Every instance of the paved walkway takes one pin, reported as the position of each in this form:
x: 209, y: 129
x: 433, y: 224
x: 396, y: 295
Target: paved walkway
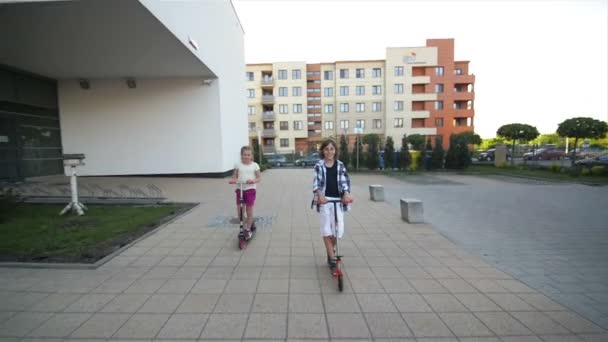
x: 189, y: 281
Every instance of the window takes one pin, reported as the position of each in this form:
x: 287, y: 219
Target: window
x: 282, y: 74
x: 439, y: 105
x: 329, y: 125
x: 252, y: 126
x: 398, y: 71
x: 399, y: 88
x: 377, y: 90
x: 251, y: 110
x: 298, y: 126
x: 438, y: 122
x: 329, y: 108
x: 360, y: 90
x: 418, y: 123
x: 249, y: 76
x: 377, y: 123
x: 439, y: 71
x: 328, y: 75
x: 360, y: 107
x: 314, y: 106
x: 296, y: 74
x: 360, y: 73
x: 398, y: 106
x: 297, y: 108
x: 344, y: 107
x: 457, y: 71
x: 283, y: 109
x: 344, y: 91
x: 328, y: 92
x: 296, y: 91
x: 313, y: 90
x: 284, y: 125
x: 314, y: 98
x: 282, y: 91
x: 250, y: 93
x: 360, y: 124
x: 313, y: 73
x: 376, y: 72
x: 284, y: 142
x: 439, y: 88
x: 398, y: 122
x: 343, y: 73
x: 376, y: 106
x: 343, y: 124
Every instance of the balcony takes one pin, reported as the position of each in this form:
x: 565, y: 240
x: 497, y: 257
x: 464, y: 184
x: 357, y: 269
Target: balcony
x: 467, y: 79
x: 420, y: 79
x: 464, y: 112
x: 253, y: 133
x: 420, y: 114
x: 268, y: 116
x: 463, y: 96
x: 424, y: 97
x: 269, y: 133
x: 267, y: 82
x: 269, y: 149
x: 267, y: 99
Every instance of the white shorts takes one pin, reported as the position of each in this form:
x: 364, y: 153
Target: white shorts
x: 328, y: 221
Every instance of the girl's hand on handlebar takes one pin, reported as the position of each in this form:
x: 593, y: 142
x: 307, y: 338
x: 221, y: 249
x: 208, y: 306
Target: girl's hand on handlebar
x: 250, y: 182
x: 232, y: 181
x: 347, y: 198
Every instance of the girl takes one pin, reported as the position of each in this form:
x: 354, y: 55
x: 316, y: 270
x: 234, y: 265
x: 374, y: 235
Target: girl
x: 247, y: 172
x: 331, y: 182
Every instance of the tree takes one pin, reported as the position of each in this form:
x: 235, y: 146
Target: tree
x: 517, y: 132
x: 406, y: 157
x: 417, y: 141
x: 371, y: 157
x: 389, y: 152
x: 469, y: 137
x: 344, y: 155
x: 549, y: 139
x: 358, y: 143
x: 458, y: 156
x: 438, y: 154
x: 582, y: 128
x: 256, y: 153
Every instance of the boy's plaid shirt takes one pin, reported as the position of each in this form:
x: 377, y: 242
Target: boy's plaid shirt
x: 320, y: 178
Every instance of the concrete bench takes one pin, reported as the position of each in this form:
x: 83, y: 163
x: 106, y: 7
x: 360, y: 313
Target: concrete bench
x: 411, y: 210
x: 376, y: 193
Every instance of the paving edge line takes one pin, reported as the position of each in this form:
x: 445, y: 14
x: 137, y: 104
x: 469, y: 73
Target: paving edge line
x: 555, y: 181
x: 80, y: 266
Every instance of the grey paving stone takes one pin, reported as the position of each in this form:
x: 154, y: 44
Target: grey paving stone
x: 180, y: 326
x: 225, y: 326
x: 126, y: 303
x: 457, y: 285
x: 560, y: 338
x: 477, y: 302
x: 464, y: 324
x: 510, y: 302
x: 274, y: 285
x: 366, y: 285
x: 502, y: 323
x: 396, y: 285
x: 90, y: 303
x: 426, y: 325
x: 428, y: 286
x: 574, y: 322
x: 444, y: 302
x: 161, y: 303
x: 234, y: 303
x: 22, y: 323
x: 541, y: 302
x: 304, y: 286
x: 305, y: 303
x: 539, y: 323
x: 410, y: 303
x: 55, y: 302
x: 530, y: 338
x: 347, y: 325
x: 177, y: 286
x: 270, y: 303
x: 101, y: 325
x: 205, y: 285
x: 60, y: 325
x: 241, y: 286
x: 198, y: 303
x: 142, y: 326
x: 376, y: 302
x: 387, y: 325
x: 306, y: 326
x: 336, y: 302
x: 267, y: 326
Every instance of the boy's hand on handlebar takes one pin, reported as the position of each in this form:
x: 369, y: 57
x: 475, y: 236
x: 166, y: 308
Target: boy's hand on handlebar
x: 322, y: 200
x: 347, y: 198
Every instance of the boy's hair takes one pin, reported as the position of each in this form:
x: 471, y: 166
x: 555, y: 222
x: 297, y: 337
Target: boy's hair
x: 324, y: 145
x: 245, y: 148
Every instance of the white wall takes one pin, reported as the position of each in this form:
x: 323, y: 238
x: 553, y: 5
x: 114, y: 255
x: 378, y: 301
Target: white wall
x: 160, y: 127
x: 215, y: 27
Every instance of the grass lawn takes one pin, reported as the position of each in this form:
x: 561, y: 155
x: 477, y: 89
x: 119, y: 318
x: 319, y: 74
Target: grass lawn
x: 37, y: 232
x: 544, y: 174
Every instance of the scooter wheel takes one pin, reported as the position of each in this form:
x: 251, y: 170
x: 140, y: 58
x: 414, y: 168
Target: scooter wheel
x: 340, y: 283
x: 242, y: 244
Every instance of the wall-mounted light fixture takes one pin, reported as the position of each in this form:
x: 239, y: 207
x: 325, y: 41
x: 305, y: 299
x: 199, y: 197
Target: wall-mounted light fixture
x: 84, y: 84
x: 131, y: 83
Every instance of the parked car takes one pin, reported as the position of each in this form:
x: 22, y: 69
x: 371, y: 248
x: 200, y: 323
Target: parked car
x: 276, y: 160
x: 311, y: 159
x: 489, y: 155
x: 590, y: 152
x: 545, y: 154
x: 591, y: 162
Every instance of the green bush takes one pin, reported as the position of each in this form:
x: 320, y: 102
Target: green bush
x: 416, y: 160
x: 598, y: 170
x: 9, y: 200
x: 555, y: 168
x: 575, y: 172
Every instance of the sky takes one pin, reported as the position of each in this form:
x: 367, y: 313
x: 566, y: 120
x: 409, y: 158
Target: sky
x: 537, y: 62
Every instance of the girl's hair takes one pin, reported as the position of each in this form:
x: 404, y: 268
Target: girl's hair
x: 245, y: 148
x: 324, y: 145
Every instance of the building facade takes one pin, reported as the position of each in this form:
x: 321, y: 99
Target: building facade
x: 415, y: 90
x: 139, y: 86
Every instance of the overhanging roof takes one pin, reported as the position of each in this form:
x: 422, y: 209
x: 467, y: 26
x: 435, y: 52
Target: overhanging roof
x: 94, y: 39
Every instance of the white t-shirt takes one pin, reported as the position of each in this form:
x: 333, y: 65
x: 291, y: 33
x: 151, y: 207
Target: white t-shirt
x: 247, y: 172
